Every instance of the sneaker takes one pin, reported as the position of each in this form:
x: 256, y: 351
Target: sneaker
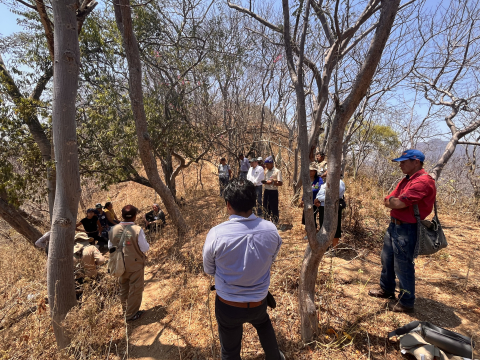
x: 380, y: 293
x: 397, y: 307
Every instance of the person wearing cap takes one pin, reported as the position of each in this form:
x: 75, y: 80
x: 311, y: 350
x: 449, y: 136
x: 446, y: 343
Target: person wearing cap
x: 256, y: 175
x: 417, y: 187
x: 86, y: 258
x: 260, y: 162
x: 321, y: 164
x: 110, y: 213
x: 91, y: 226
x: 244, y: 166
x: 224, y: 173
x: 273, y: 179
x: 134, y: 248
x: 152, y: 218
x: 239, y: 254
x: 316, y: 184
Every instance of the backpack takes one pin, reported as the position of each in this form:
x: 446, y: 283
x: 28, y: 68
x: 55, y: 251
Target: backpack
x: 116, y: 263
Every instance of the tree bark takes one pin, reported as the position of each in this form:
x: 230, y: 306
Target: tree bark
x: 123, y: 18
x: 343, y: 112
x: 60, y: 281
x: 15, y: 219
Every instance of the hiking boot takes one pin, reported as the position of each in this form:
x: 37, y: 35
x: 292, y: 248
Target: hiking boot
x: 282, y: 357
x: 380, y: 293
x: 400, y: 308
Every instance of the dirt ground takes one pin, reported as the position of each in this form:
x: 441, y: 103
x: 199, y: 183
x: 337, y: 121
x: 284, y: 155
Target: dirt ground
x: 179, y: 320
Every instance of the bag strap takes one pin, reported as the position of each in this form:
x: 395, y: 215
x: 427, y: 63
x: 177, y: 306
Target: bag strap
x: 122, y: 239
x: 404, y: 329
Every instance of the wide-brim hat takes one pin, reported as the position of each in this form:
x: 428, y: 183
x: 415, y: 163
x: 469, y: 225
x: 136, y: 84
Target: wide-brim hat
x: 81, y: 236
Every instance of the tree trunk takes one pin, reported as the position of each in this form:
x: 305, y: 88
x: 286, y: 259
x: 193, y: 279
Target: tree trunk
x: 15, y: 219
x: 167, y: 166
x: 319, y: 243
x: 60, y: 281
x: 123, y: 18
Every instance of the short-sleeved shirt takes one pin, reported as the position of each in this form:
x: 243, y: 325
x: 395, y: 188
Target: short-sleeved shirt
x: 244, y: 164
x: 223, y: 171
x: 316, y: 184
x: 103, y: 220
x: 111, y: 217
x: 273, y: 174
x: 416, y: 189
x: 90, y: 225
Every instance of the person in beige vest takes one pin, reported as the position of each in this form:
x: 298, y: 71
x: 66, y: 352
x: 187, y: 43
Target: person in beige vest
x: 134, y: 248
x: 86, y: 258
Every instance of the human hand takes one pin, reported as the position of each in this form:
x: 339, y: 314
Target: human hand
x: 316, y: 202
x: 301, y: 204
x: 269, y: 182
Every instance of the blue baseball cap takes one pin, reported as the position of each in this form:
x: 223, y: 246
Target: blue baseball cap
x: 411, y: 154
x: 269, y: 160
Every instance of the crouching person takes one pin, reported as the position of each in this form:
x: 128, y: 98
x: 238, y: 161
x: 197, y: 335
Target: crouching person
x: 131, y: 239
x: 86, y: 258
x: 239, y: 253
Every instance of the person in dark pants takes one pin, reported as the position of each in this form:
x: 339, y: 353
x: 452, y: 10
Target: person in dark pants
x: 152, y: 218
x: 224, y: 173
x: 239, y: 253
x: 92, y: 226
x: 401, y: 237
x: 316, y: 184
x: 256, y: 175
x: 273, y: 179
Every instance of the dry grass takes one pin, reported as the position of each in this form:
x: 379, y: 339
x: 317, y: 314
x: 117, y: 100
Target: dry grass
x: 179, y: 321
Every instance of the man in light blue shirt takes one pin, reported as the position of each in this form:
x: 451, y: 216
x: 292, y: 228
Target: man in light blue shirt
x: 244, y: 166
x: 239, y: 253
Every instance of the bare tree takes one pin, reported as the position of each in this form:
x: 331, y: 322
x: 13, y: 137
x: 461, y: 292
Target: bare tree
x: 446, y: 70
x: 61, y: 286
x: 123, y: 18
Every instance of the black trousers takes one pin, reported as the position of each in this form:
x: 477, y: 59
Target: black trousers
x: 270, y: 204
x: 315, y: 215
x: 230, y: 321
x: 338, y: 232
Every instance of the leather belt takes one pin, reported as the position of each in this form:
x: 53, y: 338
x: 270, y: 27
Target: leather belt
x: 397, y: 222
x: 245, y: 305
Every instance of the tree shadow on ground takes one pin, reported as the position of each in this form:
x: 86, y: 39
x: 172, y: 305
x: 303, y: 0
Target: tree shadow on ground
x: 436, y: 312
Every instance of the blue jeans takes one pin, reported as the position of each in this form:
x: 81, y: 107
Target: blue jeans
x: 397, y: 259
x: 258, y: 192
x: 243, y: 175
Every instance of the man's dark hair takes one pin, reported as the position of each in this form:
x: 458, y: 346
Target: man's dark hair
x: 90, y: 210
x: 223, y: 159
x: 129, y: 212
x: 240, y: 194
x: 241, y: 154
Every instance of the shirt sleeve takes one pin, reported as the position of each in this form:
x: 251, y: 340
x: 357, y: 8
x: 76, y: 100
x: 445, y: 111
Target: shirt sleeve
x: 413, y: 193
x: 99, y: 259
x: 142, y: 242
x: 321, y: 194
x: 279, y: 176
x: 394, y: 193
x: 42, y: 242
x: 278, y: 247
x: 209, y: 253
x: 341, y: 189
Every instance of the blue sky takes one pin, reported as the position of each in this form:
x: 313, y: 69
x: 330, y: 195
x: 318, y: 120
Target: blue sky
x: 8, y: 21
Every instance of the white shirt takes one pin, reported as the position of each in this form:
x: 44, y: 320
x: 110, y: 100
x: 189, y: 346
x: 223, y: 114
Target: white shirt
x: 256, y: 175
x: 142, y: 241
x: 43, y: 241
x: 239, y: 253
x: 321, y: 192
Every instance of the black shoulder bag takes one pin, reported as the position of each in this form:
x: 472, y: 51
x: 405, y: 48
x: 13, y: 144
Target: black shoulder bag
x: 430, y: 236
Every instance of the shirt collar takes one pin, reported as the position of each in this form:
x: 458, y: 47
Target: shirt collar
x: 417, y: 174
x: 127, y: 223
x: 241, y: 218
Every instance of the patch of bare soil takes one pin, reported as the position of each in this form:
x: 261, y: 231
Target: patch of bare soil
x: 179, y: 321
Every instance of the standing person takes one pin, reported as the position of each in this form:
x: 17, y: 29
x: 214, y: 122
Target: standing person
x: 320, y: 203
x: 134, y: 249
x: 239, y: 253
x: 91, y: 225
x: 399, y: 242
x: 273, y: 179
x: 152, y: 218
x: 102, y: 218
x: 260, y: 162
x: 111, y: 216
x: 224, y: 173
x: 316, y: 184
x: 256, y: 175
x: 244, y: 167
x: 321, y: 164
